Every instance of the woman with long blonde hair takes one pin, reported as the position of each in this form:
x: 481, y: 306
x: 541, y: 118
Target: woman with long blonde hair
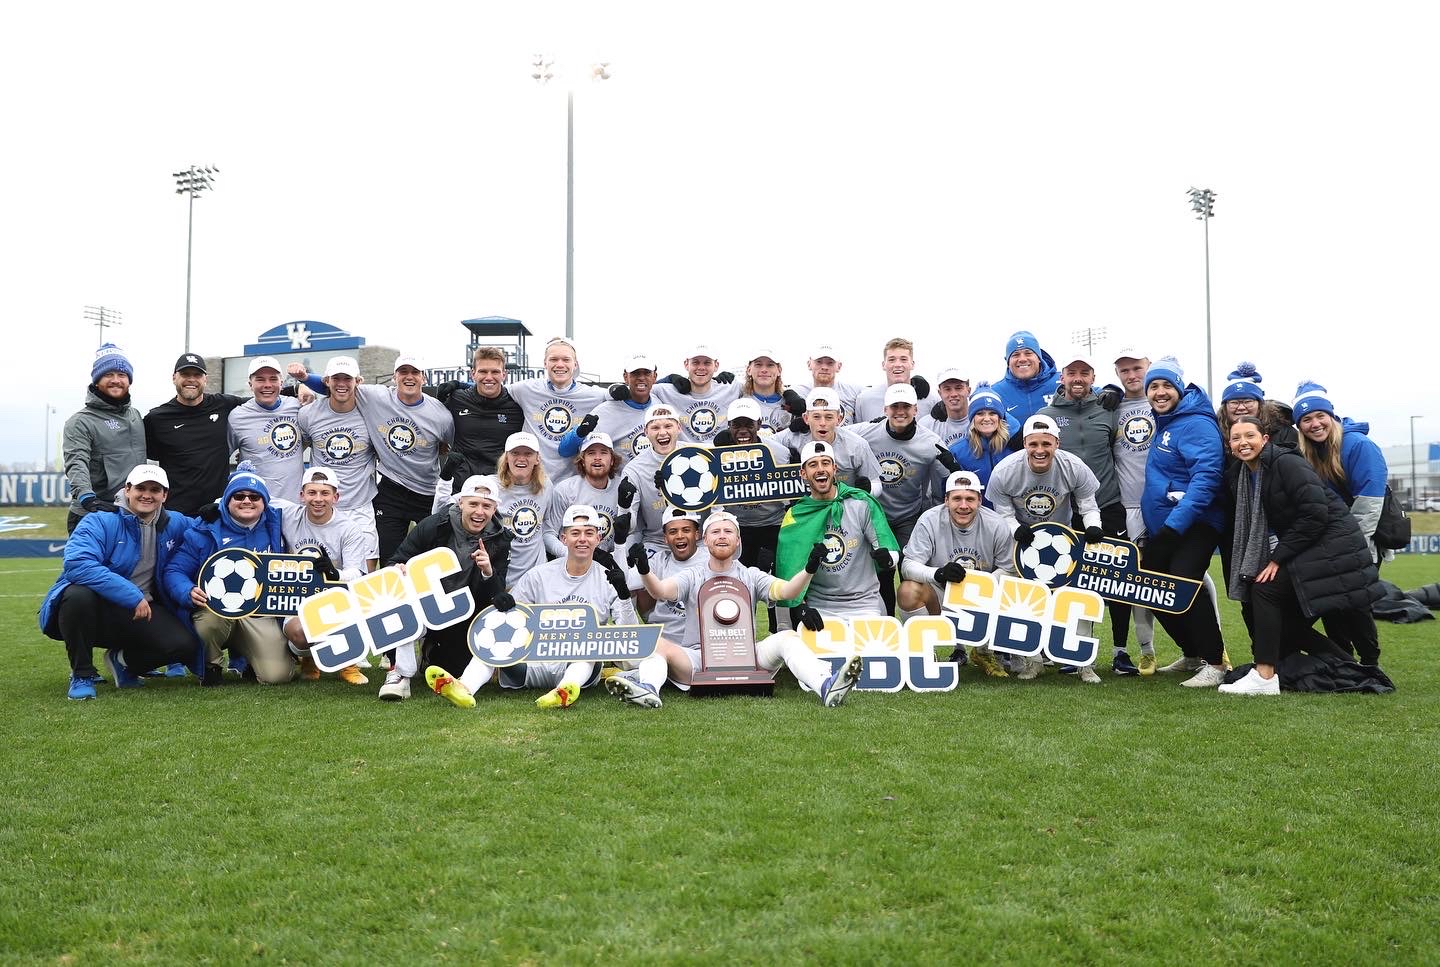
x: 523, y: 501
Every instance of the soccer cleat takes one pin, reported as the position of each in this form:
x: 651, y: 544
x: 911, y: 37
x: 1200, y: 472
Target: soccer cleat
x: 396, y: 687
x: 81, y: 688
x: 238, y: 665
x: 352, y: 675
x: 176, y: 669
x: 834, y: 689
x: 1088, y: 676
x: 118, y: 672
x: 1147, y: 663
x: 1225, y: 658
x: 1253, y: 684
x: 309, y: 671
x: 1030, y: 669
x: 445, y: 685
x: 1181, y: 664
x: 960, y: 657
x: 1122, y: 665
x: 1207, y: 677
x: 984, y: 660
x: 98, y: 679
x: 562, y: 696
x: 627, y: 689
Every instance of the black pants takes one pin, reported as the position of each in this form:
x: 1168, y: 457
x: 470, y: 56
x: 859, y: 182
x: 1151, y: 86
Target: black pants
x: 88, y: 621
x: 1112, y: 522
x: 396, y: 509
x: 1196, y: 631
x: 1281, y: 627
x: 1354, y: 631
x: 758, y: 544
x: 448, y: 648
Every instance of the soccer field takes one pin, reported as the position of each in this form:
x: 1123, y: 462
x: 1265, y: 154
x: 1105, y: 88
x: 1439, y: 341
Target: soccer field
x: 1006, y: 821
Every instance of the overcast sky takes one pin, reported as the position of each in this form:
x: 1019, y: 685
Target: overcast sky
x: 755, y: 176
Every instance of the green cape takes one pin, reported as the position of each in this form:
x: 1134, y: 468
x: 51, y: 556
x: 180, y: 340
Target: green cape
x: 805, y: 525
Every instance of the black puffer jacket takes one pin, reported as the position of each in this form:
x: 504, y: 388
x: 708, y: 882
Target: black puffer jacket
x: 1321, y: 549
x: 437, y: 531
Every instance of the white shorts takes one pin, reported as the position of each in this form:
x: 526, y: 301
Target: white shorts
x: 542, y: 675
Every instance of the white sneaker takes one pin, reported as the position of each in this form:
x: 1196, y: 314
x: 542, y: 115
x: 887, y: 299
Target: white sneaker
x: 1030, y: 669
x: 1181, y: 664
x: 630, y: 690
x: 396, y: 687
x: 1088, y: 676
x: 1253, y: 684
x: 1207, y: 677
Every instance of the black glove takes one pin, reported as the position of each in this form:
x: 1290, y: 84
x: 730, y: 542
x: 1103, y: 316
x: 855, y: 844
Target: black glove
x: 626, y: 494
x: 765, y: 559
x: 792, y: 402
x: 503, y: 601
x: 725, y: 377
x: 882, y: 557
x: 1094, y: 535
x: 660, y: 480
x: 878, y: 419
x: 213, y: 677
x: 1024, y: 536
x: 724, y: 438
x: 586, y: 425
x: 1110, y: 398
x: 807, y: 617
x: 327, y: 567
x: 616, y: 577
x: 680, y: 383
x: 862, y: 482
x: 1160, y: 545
x: 620, y: 529
x: 444, y: 391
x: 604, y: 558
x: 945, y: 458
x: 454, y: 463
x: 951, y: 573
x: 817, y: 554
x: 210, y: 513
x: 937, y: 413
x: 95, y: 505
x: 621, y: 392
x: 798, y: 424
x: 922, y: 388
x: 638, y: 559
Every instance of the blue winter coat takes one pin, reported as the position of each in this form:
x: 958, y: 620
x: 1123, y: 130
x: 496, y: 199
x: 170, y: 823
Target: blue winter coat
x: 983, y: 465
x: 204, y: 539
x: 1024, y: 397
x: 103, y: 552
x: 1366, y: 473
x: 1185, y: 455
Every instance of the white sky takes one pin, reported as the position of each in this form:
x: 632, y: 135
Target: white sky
x: 754, y: 176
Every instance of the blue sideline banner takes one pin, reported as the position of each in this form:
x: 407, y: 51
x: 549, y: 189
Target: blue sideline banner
x: 32, y: 548
x: 34, y: 490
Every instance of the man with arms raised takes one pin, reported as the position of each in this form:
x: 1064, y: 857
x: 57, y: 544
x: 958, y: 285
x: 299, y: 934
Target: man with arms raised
x: 722, y: 540
x: 339, y: 439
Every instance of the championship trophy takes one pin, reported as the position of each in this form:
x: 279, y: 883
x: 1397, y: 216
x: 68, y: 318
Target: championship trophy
x: 727, y: 642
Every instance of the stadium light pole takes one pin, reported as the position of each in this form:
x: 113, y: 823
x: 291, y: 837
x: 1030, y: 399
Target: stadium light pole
x: 1202, y: 203
x: 1089, y: 337
x: 49, y: 411
x: 103, y: 316
x: 1414, y: 494
x: 543, y: 71
x: 192, y: 181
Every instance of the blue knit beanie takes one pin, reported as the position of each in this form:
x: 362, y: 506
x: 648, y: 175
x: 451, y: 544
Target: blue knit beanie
x: 109, y: 358
x: 1021, y: 340
x: 1166, y: 368
x: 985, y: 398
x: 1242, y: 384
x: 1311, y: 397
x: 245, y: 478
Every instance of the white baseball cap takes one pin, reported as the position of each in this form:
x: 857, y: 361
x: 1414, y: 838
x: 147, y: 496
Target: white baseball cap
x: 900, y: 393
x: 597, y: 439
x: 341, y: 366
x: 949, y: 373
x: 1076, y: 356
x: 822, y: 398
x: 580, y: 515
x: 264, y: 362
x: 765, y: 354
x: 148, y: 472
x: 319, y: 475
x: 1041, y: 424
x: 717, y: 516
x: 522, y: 439
x: 480, y: 485
x: 405, y: 359
x: 964, y: 480
x: 743, y: 408
x: 640, y: 362
x: 661, y: 411
x: 823, y: 352
x: 816, y: 448
x: 1128, y: 351
x: 702, y: 350
x: 675, y: 513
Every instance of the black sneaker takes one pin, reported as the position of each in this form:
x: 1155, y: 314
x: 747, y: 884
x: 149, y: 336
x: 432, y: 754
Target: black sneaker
x: 1122, y: 665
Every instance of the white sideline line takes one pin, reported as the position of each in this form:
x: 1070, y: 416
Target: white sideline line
x: 38, y: 570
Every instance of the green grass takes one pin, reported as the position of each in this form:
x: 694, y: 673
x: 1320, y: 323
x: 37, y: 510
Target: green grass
x: 1002, y: 822
x: 52, y: 517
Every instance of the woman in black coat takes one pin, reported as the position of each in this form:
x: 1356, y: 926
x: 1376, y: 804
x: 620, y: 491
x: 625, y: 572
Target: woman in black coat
x: 1296, y: 553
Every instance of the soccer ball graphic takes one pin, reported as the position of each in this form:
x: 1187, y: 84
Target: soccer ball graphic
x: 232, y: 586
x: 1051, y: 558
x: 497, y: 637
x: 689, y: 481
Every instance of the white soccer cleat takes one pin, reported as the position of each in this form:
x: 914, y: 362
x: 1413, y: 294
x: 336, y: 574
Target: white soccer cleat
x: 1088, y: 676
x: 635, y: 692
x: 1253, y: 684
x: 1207, y: 677
x: 834, y: 689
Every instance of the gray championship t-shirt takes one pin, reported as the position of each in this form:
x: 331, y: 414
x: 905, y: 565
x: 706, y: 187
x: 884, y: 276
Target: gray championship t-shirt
x: 340, y: 442
x: 272, y: 440
x: 407, y: 436
x: 550, y: 583
x: 853, y: 456
x: 906, y: 467
x: 344, y: 537
x: 846, y: 585
x: 578, y: 490
x: 522, y: 512
x: 550, y: 413
x: 1134, y: 426
x: 701, y: 415
x: 763, y: 587
x: 1019, y: 493
x: 671, y: 615
x: 986, y: 545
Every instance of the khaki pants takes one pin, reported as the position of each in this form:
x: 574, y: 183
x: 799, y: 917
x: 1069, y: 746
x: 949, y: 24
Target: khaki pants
x: 260, y: 640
